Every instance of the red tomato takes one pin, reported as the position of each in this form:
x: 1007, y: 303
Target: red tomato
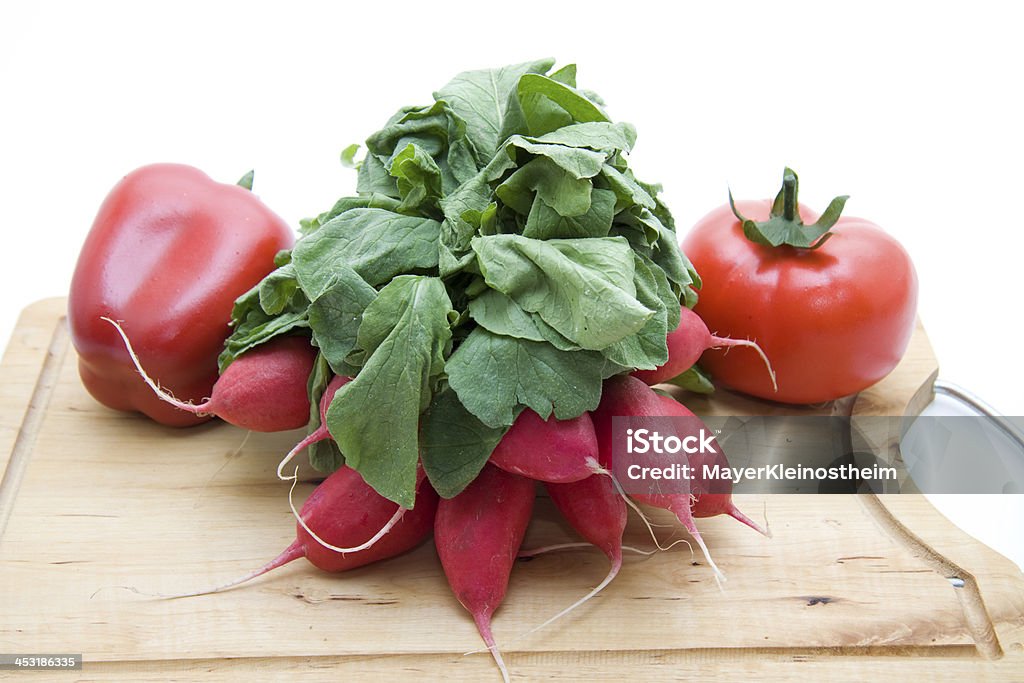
x: 833, y: 320
x: 168, y: 254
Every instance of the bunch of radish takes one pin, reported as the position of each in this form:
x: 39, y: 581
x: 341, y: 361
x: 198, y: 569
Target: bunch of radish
x: 466, y: 328
x: 478, y: 533
x: 459, y: 334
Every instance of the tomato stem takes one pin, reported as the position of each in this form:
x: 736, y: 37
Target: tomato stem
x: 789, y: 193
x: 784, y: 226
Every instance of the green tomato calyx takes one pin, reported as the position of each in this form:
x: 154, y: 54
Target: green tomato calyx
x: 784, y: 226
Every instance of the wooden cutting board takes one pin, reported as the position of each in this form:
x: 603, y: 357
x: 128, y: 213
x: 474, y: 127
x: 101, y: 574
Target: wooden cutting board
x: 850, y: 587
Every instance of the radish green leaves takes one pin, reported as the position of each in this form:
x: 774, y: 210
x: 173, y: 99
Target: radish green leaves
x: 499, y: 255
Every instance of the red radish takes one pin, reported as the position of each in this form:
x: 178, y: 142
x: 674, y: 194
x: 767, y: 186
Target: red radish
x: 627, y: 396
x: 346, y: 510
x: 263, y: 390
x: 595, y: 509
x: 320, y: 433
x: 564, y: 454
x: 478, y: 534
x: 707, y: 503
x: 687, y: 342
x: 554, y: 451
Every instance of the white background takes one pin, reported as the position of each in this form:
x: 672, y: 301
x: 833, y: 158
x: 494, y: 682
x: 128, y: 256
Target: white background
x: 914, y: 111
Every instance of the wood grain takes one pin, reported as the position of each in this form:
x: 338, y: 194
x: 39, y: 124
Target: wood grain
x: 849, y: 587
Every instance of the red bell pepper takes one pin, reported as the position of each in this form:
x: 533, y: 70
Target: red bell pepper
x: 168, y: 254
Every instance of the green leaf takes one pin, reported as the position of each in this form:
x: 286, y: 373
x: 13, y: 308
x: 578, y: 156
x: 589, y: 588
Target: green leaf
x: 418, y: 178
x: 601, y: 136
x: 427, y: 127
x: 666, y: 293
x: 611, y: 368
x: 246, y: 180
x: 640, y: 238
x: 647, y: 349
x: 494, y: 374
x: 369, y: 201
x: 374, y: 418
x: 253, y: 325
x: 335, y: 316
x: 324, y: 456
x: 373, y: 178
x: 566, y: 194
x: 454, y: 444
x: 583, y: 288
x: 546, y: 223
x: 566, y: 75
x: 470, y: 201
x: 463, y: 159
x: 579, y: 162
x: 348, y: 156
x: 670, y: 257
x: 660, y: 209
x: 480, y: 98
x: 375, y: 243
x: 689, y: 297
x: 695, y: 380
x: 660, y: 245
x: 258, y: 328
x: 487, y: 220
x: 536, y: 95
x: 628, y: 191
x: 439, y: 132
x: 282, y: 258
x: 499, y: 314
x: 278, y: 289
